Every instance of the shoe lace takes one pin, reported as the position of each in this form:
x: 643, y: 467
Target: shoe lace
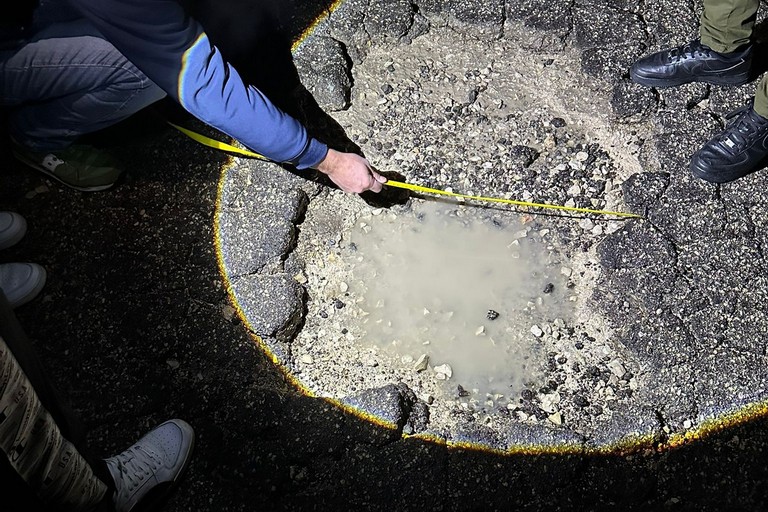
x: 741, y: 132
x: 135, y: 465
x: 691, y: 49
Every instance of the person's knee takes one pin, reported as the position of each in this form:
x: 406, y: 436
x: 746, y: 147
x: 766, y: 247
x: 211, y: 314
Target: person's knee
x: 151, y: 92
x: 129, y: 77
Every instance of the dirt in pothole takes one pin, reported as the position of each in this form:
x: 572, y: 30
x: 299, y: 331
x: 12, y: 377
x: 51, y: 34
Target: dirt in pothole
x: 477, y: 310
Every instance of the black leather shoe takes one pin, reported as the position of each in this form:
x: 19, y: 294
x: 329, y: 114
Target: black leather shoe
x: 738, y: 150
x: 693, y: 62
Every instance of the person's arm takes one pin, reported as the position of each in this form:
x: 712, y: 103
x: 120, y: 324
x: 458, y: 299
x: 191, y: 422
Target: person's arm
x: 172, y: 49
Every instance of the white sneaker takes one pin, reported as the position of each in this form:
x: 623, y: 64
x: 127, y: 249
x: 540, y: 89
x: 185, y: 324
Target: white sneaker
x: 156, y: 461
x: 13, y: 227
x: 21, y: 282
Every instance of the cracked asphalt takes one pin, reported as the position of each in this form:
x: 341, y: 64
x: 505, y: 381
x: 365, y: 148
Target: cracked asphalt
x: 135, y: 322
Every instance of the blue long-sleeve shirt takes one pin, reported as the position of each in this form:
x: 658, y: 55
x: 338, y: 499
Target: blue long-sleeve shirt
x: 172, y: 49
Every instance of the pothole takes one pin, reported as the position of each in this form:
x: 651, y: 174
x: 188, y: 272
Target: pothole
x: 483, y: 313
x: 487, y: 117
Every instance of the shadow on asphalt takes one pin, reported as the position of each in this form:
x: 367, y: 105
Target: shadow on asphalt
x: 134, y: 327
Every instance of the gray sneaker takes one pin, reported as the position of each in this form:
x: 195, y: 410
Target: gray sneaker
x: 149, y: 469
x: 83, y: 168
x: 13, y: 227
x: 21, y: 282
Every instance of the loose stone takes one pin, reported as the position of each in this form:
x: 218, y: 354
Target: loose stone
x: 556, y: 418
x: 549, y: 287
x: 580, y: 401
x: 616, y: 368
x: 574, y: 190
x: 536, y: 331
x: 228, y: 312
x: 461, y: 391
x: 421, y: 363
x: 549, y: 402
x: 557, y: 122
x: 307, y: 359
x: 444, y: 369
x: 492, y: 315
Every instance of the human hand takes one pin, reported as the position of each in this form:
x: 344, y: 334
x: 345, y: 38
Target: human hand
x: 351, y: 172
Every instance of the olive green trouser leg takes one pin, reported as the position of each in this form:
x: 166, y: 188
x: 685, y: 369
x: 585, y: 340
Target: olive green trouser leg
x: 725, y: 26
x: 761, y: 97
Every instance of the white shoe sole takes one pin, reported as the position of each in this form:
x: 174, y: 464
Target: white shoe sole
x: 13, y: 233
x: 29, y: 289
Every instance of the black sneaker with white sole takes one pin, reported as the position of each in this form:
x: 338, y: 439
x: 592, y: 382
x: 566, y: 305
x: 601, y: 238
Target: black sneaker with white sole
x: 739, y: 150
x: 693, y: 62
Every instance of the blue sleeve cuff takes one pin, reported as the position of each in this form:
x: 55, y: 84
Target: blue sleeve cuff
x: 312, y: 155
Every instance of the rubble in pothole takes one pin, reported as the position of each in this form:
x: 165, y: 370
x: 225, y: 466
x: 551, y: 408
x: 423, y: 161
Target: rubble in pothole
x: 468, y: 121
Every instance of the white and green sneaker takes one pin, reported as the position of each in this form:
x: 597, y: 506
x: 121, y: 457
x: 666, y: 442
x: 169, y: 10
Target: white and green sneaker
x: 83, y: 168
x: 148, y: 470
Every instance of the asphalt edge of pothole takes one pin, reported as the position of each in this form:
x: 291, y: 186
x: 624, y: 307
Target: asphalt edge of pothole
x: 650, y: 435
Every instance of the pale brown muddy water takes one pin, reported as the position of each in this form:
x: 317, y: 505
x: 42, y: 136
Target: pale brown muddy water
x: 458, y: 290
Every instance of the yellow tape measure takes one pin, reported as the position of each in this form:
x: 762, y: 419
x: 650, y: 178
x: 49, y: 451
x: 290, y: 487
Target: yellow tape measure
x: 223, y: 146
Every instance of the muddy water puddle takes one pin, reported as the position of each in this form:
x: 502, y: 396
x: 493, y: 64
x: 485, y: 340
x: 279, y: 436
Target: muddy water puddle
x: 457, y: 291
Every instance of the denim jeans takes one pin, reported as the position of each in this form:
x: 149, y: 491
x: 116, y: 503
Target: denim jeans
x: 68, y: 81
